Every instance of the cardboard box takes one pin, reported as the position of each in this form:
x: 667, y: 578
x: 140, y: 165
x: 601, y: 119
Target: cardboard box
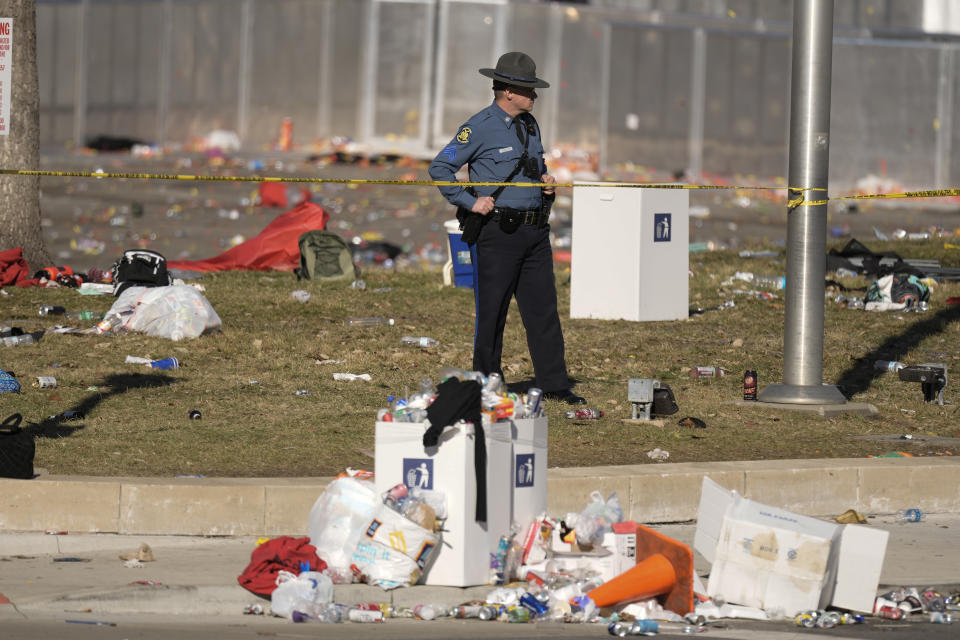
x: 463, y: 556
x: 771, y: 558
x: 529, y: 470
x: 859, y: 561
x: 768, y: 557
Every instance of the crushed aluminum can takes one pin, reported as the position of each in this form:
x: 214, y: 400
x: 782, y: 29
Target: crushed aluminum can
x: 828, y: 620
x: 253, y: 610
x: 807, y: 619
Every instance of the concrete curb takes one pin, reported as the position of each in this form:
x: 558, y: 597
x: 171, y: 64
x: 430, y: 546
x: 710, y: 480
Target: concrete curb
x: 226, y: 600
x: 651, y: 493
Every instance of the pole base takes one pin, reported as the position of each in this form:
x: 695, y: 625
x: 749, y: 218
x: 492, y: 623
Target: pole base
x: 801, y: 394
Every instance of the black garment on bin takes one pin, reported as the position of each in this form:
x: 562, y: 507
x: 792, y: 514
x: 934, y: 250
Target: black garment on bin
x: 455, y: 401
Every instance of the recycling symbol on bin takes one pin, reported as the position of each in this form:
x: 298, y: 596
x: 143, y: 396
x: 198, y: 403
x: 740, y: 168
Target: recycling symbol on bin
x: 418, y: 472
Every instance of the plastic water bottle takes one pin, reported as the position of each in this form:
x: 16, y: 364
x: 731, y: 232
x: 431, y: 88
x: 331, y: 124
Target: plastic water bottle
x: 584, y: 414
x: 910, y: 515
x: 422, y: 341
x: 706, y: 372
x: 888, y: 365
x: 429, y: 611
x: 16, y: 341
x: 772, y: 282
x: 368, y: 322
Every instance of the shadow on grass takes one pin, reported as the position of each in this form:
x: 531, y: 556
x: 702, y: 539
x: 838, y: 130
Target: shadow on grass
x: 523, y: 386
x: 858, y: 378
x: 70, y: 421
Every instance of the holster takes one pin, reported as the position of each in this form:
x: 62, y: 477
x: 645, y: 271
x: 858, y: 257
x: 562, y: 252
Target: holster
x: 470, y: 224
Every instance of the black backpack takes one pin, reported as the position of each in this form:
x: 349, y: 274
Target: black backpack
x: 140, y: 268
x: 325, y: 256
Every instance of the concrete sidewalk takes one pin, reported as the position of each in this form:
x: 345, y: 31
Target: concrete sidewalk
x: 198, y: 576
x: 650, y: 493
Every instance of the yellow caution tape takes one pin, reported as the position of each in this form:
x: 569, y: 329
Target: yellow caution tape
x: 791, y: 203
x: 434, y: 183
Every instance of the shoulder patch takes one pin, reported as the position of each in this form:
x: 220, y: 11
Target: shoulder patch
x: 464, y: 136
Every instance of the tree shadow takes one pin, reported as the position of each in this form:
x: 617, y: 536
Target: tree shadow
x: 859, y: 377
x: 70, y: 421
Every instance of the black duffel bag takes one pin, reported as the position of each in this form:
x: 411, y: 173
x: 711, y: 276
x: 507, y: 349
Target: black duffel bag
x: 17, y: 450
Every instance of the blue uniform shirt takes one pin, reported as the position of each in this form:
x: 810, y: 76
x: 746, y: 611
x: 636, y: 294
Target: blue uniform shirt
x: 489, y: 143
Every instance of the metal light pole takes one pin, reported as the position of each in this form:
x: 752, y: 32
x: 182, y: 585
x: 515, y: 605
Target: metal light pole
x: 807, y: 223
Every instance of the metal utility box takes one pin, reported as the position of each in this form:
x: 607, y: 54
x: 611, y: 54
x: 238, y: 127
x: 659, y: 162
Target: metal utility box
x: 631, y: 253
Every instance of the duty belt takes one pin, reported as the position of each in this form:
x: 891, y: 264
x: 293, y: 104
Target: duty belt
x: 534, y: 217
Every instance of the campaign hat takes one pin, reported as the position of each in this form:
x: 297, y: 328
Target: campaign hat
x: 518, y: 69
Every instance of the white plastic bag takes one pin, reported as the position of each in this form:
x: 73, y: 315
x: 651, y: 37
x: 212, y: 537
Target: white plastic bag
x: 175, y: 312
x: 296, y: 593
x: 597, y: 518
x: 338, y: 519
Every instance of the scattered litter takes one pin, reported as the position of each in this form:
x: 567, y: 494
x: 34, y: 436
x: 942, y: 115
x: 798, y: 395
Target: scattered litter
x: 301, y: 392
x: 71, y: 559
x: 301, y: 295
x: 194, y: 414
x: 253, y: 610
x: 851, y: 516
x: 349, y: 377
x: 759, y: 254
x: 143, y: 554
x: 133, y: 563
x: 658, y: 454
x: 690, y: 421
x: 329, y: 361
x: 98, y: 623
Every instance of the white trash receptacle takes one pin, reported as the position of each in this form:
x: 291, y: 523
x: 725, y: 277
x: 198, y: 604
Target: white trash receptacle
x: 631, y: 253
x: 463, y: 557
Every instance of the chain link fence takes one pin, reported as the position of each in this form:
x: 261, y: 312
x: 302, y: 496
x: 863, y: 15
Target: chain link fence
x: 677, y: 85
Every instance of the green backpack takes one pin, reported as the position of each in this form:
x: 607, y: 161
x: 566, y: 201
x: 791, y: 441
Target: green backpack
x: 325, y: 256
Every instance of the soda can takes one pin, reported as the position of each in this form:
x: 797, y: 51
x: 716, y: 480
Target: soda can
x: 490, y: 612
x: 45, y: 382
x: 534, y: 396
x: 828, y: 620
x: 536, y: 607
x: 891, y: 613
x: 750, y: 384
x: 166, y: 363
x: 807, y: 619
x: 851, y: 618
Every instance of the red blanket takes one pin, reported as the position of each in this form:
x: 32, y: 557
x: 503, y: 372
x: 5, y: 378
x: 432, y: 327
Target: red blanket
x: 14, y: 269
x: 274, y: 248
x: 276, y: 555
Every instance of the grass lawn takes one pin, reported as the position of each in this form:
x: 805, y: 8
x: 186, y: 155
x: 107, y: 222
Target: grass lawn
x: 244, y: 379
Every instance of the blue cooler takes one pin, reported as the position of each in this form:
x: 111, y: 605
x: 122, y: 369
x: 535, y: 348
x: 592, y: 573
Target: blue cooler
x: 459, y: 255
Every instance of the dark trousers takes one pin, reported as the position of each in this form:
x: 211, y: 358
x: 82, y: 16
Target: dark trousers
x: 517, y: 264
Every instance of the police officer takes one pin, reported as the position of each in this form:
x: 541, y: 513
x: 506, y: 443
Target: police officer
x: 512, y: 254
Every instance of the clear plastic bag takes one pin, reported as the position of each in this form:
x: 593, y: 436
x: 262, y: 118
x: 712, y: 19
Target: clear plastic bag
x: 597, y: 518
x: 174, y: 312
x: 297, y: 593
x: 339, y: 518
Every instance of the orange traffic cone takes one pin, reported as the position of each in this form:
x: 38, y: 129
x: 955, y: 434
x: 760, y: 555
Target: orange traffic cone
x: 664, y: 569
